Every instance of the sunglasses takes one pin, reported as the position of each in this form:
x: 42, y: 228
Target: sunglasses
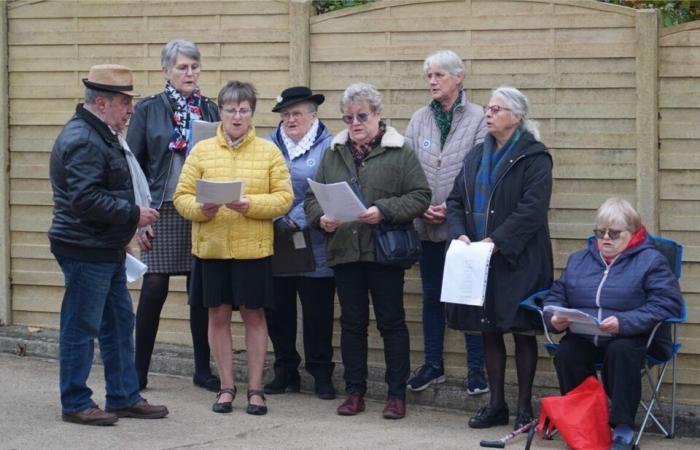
x: 612, y: 234
x: 361, y: 117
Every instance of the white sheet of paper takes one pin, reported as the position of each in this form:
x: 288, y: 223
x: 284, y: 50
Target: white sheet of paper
x: 337, y: 200
x: 466, y: 271
x: 201, y: 129
x: 135, y: 269
x: 219, y: 192
x: 581, y: 322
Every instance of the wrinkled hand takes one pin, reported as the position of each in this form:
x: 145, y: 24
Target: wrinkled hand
x: 560, y: 323
x: 328, y: 224
x: 239, y: 206
x: 144, y: 239
x: 435, y: 214
x: 210, y: 209
x: 464, y: 238
x: 610, y: 325
x: 372, y: 216
x: 285, y: 227
x: 147, y: 216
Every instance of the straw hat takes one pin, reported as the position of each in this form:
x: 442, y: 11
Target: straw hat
x: 111, y: 78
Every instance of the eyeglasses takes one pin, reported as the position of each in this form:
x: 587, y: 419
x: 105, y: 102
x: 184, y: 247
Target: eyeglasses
x: 184, y: 68
x: 293, y: 114
x: 361, y: 117
x: 241, y: 112
x: 612, y: 234
x: 495, y: 109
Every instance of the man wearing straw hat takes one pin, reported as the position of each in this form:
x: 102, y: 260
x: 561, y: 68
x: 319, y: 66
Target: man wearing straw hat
x: 100, y: 199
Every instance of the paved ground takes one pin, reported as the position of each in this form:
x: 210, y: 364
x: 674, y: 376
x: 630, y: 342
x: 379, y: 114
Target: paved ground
x: 30, y: 419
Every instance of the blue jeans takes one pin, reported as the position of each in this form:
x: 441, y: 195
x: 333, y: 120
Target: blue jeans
x: 432, y: 262
x: 96, y: 304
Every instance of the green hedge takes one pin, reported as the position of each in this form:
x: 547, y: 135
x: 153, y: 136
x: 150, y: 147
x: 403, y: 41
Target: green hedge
x: 672, y: 11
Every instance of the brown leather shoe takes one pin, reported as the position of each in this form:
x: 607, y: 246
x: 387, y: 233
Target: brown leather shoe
x: 395, y: 409
x: 91, y: 416
x: 354, y: 404
x: 141, y: 410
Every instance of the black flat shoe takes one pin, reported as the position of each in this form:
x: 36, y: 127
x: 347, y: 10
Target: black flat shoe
x: 224, y: 407
x: 522, y: 418
x: 209, y: 382
x: 324, y: 388
x: 283, y: 382
x: 256, y: 410
x: 487, y: 417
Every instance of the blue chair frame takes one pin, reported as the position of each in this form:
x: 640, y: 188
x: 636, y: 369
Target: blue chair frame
x: 673, y: 251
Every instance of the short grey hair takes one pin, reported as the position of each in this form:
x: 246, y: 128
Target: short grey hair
x: 92, y: 94
x: 362, y: 92
x: 236, y: 92
x: 617, y: 210
x: 519, y: 104
x: 168, y: 56
x: 446, y: 60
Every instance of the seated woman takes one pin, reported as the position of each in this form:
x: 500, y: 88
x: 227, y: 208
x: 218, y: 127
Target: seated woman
x: 232, y: 243
x: 627, y: 284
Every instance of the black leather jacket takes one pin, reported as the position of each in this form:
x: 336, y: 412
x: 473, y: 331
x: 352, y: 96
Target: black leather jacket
x: 95, y: 215
x: 150, y: 130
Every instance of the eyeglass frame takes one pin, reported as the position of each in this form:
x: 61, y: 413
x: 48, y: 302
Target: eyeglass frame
x: 610, y: 232
x: 361, y: 117
x: 194, y: 68
x: 294, y: 114
x: 495, y: 109
x: 243, y: 112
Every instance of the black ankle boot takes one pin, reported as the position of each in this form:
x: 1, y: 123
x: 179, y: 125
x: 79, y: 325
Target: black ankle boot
x: 488, y: 417
x: 284, y: 381
x: 323, y: 386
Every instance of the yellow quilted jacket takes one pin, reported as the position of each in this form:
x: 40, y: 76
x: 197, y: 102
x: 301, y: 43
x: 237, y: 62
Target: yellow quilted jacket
x: 229, y: 234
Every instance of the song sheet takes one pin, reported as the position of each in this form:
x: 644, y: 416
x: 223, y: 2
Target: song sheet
x: 337, y: 200
x: 219, y: 192
x: 466, y: 272
x: 581, y: 322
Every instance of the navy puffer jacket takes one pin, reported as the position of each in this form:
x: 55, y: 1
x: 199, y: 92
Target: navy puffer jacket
x: 637, y: 287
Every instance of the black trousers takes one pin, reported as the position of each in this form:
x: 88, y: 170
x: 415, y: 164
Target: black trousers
x: 355, y: 283
x: 622, y: 359
x: 317, y: 297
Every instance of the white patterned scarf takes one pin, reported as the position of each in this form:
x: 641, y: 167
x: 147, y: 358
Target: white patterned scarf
x: 142, y: 194
x: 296, y: 149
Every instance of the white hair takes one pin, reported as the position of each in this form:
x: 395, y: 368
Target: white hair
x: 168, y: 56
x: 362, y: 92
x: 618, y: 211
x: 446, y: 60
x: 519, y: 104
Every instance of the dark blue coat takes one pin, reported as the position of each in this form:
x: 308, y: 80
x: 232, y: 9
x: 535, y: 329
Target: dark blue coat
x: 637, y: 287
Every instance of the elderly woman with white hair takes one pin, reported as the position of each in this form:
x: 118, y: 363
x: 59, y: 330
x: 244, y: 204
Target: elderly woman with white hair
x: 442, y: 133
x: 626, y: 283
x: 376, y: 160
x: 160, y: 136
x: 502, y: 196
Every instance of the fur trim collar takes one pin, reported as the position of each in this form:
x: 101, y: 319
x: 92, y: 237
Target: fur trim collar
x: 391, y: 138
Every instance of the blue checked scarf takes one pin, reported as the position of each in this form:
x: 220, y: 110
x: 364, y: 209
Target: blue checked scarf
x: 492, y: 161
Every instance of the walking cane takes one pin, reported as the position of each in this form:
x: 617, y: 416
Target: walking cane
x: 501, y: 443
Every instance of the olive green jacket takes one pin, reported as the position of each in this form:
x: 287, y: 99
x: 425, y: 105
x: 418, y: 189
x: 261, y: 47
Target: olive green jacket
x: 391, y: 178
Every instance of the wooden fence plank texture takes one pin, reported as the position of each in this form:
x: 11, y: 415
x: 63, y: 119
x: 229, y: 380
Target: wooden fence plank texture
x: 590, y: 70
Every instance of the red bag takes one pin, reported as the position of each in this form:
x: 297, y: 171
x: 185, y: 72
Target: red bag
x: 581, y: 416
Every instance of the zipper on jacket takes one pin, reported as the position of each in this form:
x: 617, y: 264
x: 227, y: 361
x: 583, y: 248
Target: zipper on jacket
x: 167, y: 175
x: 488, y: 205
x: 597, y: 293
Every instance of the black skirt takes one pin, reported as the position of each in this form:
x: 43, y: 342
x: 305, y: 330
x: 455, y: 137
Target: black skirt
x: 235, y: 282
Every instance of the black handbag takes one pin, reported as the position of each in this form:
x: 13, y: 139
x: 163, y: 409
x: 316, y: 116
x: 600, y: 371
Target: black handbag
x: 396, y: 245
x: 289, y: 258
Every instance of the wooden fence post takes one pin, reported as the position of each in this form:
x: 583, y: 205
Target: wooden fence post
x: 5, y: 277
x: 648, y: 118
x: 299, y: 14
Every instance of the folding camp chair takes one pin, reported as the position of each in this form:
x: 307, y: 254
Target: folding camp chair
x: 654, y: 369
